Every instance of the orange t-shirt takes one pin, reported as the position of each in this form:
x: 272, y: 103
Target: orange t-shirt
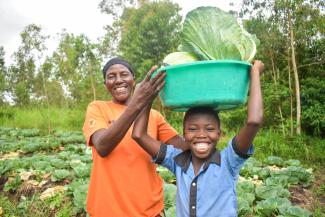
x: 125, y: 182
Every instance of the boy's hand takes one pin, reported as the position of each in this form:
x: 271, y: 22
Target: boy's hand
x: 258, y: 66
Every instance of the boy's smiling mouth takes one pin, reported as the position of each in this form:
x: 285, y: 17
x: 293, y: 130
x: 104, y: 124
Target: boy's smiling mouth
x: 201, y: 147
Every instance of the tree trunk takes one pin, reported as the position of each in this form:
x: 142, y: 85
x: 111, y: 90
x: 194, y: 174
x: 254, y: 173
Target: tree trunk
x: 294, y: 66
x: 92, y: 81
x: 48, y: 103
x: 290, y: 91
x: 276, y: 90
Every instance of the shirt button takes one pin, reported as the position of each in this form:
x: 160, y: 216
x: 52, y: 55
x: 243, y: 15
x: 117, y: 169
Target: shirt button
x: 193, y: 184
x: 193, y: 207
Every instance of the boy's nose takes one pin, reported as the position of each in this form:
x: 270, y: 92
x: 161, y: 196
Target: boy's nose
x: 201, y: 134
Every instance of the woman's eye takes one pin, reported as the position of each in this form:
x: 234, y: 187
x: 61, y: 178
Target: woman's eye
x: 191, y: 129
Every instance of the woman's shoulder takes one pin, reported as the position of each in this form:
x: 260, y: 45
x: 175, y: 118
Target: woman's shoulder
x: 99, y: 103
x: 155, y: 113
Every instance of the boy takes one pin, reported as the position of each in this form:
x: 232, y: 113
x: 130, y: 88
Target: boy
x: 206, y: 179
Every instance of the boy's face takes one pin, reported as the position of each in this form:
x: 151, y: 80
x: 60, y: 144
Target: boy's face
x: 201, y: 132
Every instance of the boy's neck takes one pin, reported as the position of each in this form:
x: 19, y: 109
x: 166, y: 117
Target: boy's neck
x: 197, y: 164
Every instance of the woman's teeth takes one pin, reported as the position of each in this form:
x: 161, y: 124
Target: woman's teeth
x: 120, y: 89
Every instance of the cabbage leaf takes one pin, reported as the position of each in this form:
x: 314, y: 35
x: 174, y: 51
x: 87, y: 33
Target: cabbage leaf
x: 212, y: 34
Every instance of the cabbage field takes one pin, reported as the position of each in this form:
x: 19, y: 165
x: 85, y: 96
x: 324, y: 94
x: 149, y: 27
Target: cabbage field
x: 49, y: 174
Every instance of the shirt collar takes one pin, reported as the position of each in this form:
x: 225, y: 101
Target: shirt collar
x: 184, y: 159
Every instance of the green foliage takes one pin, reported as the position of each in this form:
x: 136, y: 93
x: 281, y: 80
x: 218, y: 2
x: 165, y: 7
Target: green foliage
x: 79, y: 198
x: 167, y: 176
x: 70, y: 119
x: 313, y: 98
x: 294, y: 211
x: 307, y: 21
x: 171, y: 212
x: 169, y: 195
x: 264, y: 192
x: 271, y: 205
x: 13, y: 184
x: 21, y: 74
x: 59, y: 175
x: 148, y: 33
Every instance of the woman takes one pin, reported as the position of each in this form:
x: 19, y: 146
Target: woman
x: 123, y: 180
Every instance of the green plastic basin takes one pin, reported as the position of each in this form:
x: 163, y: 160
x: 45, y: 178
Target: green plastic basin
x: 219, y: 84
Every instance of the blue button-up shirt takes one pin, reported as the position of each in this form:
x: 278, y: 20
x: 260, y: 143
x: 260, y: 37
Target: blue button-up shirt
x: 212, y: 192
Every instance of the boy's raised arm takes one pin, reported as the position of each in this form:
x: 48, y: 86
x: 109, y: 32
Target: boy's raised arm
x: 247, y: 133
x: 139, y: 133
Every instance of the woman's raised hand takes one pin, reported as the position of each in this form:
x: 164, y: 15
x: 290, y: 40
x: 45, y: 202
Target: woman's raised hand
x: 149, y: 87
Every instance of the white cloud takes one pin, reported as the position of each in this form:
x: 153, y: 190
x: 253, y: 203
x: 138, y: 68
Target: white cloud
x: 76, y: 16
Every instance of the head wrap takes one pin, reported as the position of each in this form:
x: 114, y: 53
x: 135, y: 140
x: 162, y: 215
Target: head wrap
x: 114, y: 61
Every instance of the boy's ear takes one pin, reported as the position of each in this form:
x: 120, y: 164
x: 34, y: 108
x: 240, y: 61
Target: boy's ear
x: 219, y: 132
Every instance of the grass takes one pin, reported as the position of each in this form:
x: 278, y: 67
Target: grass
x: 60, y: 118
x: 57, y: 206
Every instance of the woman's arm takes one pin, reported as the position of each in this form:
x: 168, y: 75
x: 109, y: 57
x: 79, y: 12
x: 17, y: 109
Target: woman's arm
x: 248, y: 132
x: 105, y: 140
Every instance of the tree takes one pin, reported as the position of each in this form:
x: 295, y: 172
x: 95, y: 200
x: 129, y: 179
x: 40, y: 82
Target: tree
x: 3, y: 84
x: 300, y: 22
x: 74, y: 62
x: 148, y: 33
x: 22, y: 72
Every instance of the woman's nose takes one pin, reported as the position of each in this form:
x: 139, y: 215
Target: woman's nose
x: 118, y: 79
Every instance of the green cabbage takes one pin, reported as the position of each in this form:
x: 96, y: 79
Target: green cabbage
x: 178, y: 58
x: 212, y: 34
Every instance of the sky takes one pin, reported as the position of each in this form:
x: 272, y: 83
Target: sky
x: 76, y: 16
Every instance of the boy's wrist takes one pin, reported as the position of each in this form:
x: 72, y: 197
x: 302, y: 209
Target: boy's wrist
x: 255, y: 71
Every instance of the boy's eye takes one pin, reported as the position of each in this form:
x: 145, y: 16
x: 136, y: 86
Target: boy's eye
x: 210, y: 129
x: 191, y: 128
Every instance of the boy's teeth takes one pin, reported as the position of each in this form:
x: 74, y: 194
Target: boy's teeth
x: 120, y: 88
x: 201, y: 146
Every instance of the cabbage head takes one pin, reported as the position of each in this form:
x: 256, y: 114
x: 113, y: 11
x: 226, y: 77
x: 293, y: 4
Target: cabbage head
x: 212, y: 34
x: 178, y: 58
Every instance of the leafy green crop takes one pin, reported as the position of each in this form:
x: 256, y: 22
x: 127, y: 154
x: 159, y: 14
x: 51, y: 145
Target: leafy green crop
x: 13, y: 184
x: 212, y: 34
x: 270, y: 205
x: 59, y: 175
x: 169, y: 195
x: 179, y: 58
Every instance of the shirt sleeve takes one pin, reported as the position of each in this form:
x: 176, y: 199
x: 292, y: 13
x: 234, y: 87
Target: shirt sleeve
x: 165, y: 131
x: 94, y: 121
x: 234, y: 159
x: 165, y: 157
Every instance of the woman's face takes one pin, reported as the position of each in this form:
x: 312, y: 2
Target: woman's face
x: 119, y: 82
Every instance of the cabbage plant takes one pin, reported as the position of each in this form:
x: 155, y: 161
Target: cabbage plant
x: 212, y: 34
